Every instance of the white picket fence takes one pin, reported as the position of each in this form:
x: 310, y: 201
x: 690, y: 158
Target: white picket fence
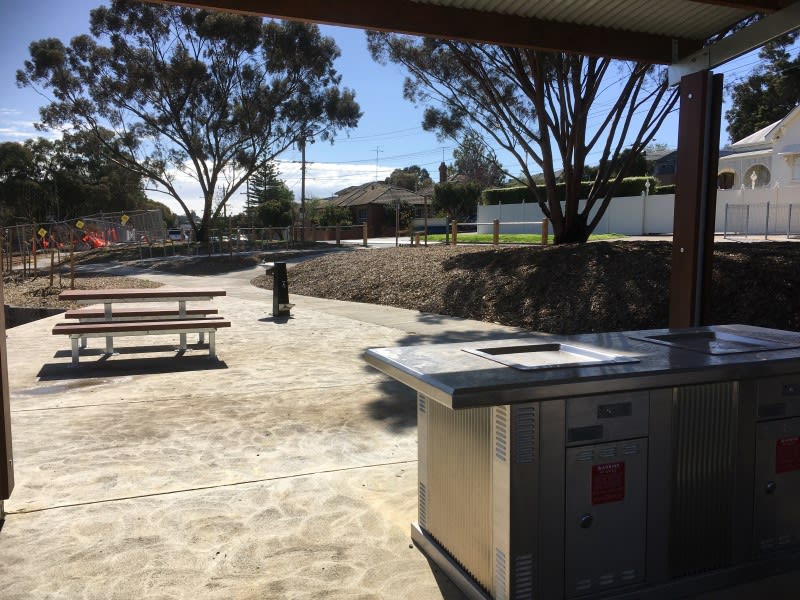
x: 772, y: 211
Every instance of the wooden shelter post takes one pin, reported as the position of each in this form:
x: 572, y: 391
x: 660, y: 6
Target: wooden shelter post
x: 6, y: 456
x: 695, y: 198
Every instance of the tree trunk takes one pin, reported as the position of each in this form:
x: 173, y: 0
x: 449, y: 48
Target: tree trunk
x: 575, y: 233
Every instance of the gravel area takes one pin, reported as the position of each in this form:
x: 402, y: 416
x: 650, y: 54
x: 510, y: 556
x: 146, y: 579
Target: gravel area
x: 36, y: 292
x: 600, y: 286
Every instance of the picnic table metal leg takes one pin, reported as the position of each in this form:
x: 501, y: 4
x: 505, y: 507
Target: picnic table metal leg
x: 182, y: 315
x: 108, y: 317
x: 74, y: 340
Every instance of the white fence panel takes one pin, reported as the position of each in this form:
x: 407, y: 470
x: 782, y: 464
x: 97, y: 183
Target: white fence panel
x: 654, y: 214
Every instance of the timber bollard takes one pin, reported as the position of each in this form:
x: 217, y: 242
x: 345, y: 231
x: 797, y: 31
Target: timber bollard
x: 496, y: 232
x: 365, y: 235
x: 545, y: 227
x: 454, y: 232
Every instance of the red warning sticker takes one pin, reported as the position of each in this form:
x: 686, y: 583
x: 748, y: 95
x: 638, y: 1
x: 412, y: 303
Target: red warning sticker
x: 608, y: 483
x: 787, y: 455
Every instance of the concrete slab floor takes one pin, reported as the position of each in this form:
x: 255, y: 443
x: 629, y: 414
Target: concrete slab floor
x: 287, y: 469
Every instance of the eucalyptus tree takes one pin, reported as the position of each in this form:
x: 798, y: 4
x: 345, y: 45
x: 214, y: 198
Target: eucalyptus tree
x: 192, y: 94
x: 552, y: 112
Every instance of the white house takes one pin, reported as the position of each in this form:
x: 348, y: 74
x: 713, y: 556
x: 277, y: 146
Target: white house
x: 768, y: 157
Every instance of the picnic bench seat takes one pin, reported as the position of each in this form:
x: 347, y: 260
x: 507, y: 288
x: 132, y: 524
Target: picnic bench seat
x: 76, y: 331
x: 133, y: 314
x: 88, y: 315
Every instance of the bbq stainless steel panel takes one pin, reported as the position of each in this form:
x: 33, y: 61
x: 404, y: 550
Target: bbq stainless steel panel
x: 778, y: 398
x: 704, y: 446
x: 777, y: 486
x: 593, y: 419
x: 458, y: 489
x: 606, y: 515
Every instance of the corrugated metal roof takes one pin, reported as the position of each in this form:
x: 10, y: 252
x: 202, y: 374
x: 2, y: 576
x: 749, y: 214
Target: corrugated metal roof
x: 658, y: 31
x: 673, y: 18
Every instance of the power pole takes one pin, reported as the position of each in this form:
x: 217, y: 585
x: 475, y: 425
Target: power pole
x: 303, y: 186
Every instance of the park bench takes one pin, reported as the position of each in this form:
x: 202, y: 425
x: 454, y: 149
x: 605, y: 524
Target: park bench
x: 78, y: 331
x: 113, y: 320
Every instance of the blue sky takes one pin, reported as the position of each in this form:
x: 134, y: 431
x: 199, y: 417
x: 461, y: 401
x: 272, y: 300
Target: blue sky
x: 389, y: 130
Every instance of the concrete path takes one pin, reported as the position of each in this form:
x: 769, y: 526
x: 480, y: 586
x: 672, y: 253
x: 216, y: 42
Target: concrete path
x: 285, y: 470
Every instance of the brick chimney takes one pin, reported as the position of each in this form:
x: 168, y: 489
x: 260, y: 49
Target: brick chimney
x: 442, y: 173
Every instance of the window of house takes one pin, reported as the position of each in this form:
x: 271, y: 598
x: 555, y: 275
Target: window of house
x: 726, y: 180
x: 362, y: 216
x: 796, y: 167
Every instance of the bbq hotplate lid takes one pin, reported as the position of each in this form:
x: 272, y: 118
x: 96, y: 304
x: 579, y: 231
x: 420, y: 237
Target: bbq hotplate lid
x: 551, y: 355
x: 716, y: 341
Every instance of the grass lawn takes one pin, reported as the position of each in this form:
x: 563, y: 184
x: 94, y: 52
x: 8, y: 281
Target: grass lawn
x: 513, y: 238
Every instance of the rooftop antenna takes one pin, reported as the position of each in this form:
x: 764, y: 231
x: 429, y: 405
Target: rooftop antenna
x: 377, y: 150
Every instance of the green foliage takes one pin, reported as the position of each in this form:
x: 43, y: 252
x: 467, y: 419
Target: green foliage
x: 410, y: 178
x: 477, y: 162
x: 509, y: 195
x: 629, y: 186
x: 329, y: 215
x: 54, y: 180
x: 406, y: 215
x: 457, y: 200
x: 537, y: 107
x: 770, y: 93
x: 634, y: 186
x: 204, y: 92
x: 269, y: 200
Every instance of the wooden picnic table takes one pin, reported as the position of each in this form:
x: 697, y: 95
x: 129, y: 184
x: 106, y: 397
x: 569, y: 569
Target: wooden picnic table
x: 109, y: 297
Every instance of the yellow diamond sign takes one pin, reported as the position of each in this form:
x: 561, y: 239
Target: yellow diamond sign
x: 79, y: 224
x: 42, y: 232
x: 124, y: 219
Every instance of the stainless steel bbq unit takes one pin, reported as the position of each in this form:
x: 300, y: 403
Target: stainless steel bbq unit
x: 636, y: 464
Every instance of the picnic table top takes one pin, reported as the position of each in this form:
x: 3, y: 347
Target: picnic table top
x: 140, y: 294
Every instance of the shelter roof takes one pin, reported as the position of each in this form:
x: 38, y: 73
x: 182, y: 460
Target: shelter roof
x: 663, y: 32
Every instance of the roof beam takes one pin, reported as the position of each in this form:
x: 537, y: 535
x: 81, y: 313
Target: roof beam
x: 739, y: 43
x: 754, y: 6
x: 416, y: 18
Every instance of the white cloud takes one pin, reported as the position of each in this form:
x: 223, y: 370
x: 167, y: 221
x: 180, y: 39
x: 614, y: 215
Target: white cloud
x: 322, y: 180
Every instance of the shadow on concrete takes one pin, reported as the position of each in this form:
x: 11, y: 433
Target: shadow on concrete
x: 100, y: 351
x: 128, y: 366
x: 397, y: 408
x: 276, y: 320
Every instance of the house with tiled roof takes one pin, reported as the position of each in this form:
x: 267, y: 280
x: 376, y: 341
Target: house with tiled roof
x: 368, y: 204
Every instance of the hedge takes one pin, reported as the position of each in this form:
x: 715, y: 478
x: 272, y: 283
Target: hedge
x: 630, y: 186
